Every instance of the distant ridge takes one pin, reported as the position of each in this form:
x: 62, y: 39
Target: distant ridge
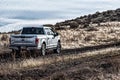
x: 98, y: 17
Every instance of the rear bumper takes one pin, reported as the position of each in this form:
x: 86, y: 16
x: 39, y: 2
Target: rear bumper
x: 25, y: 47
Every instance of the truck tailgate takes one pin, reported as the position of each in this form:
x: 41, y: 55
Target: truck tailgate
x: 23, y: 40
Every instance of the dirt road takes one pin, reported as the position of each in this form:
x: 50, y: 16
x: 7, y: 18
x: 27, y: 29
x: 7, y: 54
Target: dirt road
x: 88, y: 63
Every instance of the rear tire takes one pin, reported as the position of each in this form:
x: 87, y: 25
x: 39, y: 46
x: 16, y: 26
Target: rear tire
x: 43, y: 49
x: 58, y: 49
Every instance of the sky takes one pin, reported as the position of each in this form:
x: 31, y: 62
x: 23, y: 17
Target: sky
x: 15, y: 12
x: 53, y: 9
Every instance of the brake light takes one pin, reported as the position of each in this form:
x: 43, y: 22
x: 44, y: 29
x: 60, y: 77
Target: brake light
x: 36, y: 40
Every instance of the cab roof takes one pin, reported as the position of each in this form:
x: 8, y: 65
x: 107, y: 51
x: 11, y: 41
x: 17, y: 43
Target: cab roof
x: 36, y: 26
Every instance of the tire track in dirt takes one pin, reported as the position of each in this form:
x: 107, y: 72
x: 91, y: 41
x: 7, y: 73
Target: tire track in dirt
x: 6, y: 54
x: 92, y: 48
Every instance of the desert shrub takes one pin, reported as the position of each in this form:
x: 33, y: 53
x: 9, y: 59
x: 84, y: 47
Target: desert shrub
x: 89, y: 37
x: 79, y: 21
x: 74, y: 24
x: 110, y: 66
x: 58, y: 26
x: 58, y: 76
x: 91, y: 29
x: 4, y: 37
x: 86, y: 25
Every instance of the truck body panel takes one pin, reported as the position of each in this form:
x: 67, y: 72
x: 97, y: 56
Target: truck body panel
x: 32, y: 38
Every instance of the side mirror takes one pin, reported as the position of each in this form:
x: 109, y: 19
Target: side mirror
x: 56, y: 34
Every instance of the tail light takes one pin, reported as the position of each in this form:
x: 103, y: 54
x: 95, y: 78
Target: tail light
x: 36, y: 40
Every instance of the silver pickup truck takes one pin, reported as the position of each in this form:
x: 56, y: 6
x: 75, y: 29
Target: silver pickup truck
x: 36, y: 38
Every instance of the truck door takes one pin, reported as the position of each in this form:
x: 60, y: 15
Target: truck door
x: 49, y: 38
x: 54, y: 39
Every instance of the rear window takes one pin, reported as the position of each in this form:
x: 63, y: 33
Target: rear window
x: 32, y: 31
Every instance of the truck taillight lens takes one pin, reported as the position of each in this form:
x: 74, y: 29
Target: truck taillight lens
x: 36, y: 40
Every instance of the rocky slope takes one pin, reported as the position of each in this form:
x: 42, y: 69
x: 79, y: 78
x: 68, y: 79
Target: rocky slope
x: 97, y: 18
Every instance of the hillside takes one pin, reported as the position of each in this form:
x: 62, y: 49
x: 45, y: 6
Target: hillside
x: 97, y: 18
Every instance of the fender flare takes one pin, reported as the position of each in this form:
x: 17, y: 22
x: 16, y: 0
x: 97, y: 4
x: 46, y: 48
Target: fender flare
x: 43, y: 41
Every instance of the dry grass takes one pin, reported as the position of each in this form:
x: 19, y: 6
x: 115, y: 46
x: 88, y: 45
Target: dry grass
x: 88, y: 66
x: 4, y: 40
x: 106, y: 33
x: 74, y: 38
x: 102, y: 66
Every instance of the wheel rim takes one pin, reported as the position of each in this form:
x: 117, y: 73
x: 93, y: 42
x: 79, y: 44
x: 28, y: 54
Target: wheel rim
x: 43, y: 50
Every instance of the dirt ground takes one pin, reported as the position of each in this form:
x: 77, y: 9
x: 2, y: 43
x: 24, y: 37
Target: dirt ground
x: 101, y: 64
